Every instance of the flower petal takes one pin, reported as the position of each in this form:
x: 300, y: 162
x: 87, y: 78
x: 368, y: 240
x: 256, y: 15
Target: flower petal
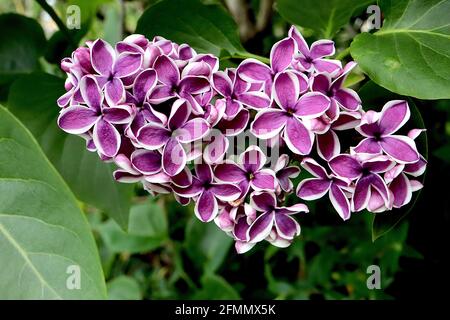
x: 268, y: 123
x: 102, y: 57
x: 345, y: 166
x: 118, y: 114
x: 347, y: 99
x: 252, y: 159
x: 313, y: 188
x: 153, y: 136
x: 322, y: 48
x: 106, y: 138
x: 236, y: 125
x: 339, y: 202
x: 77, y: 119
x: 299, y: 139
x: 327, y: 65
x: 126, y: 64
x: 91, y: 93
x: 193, y: 130
x: 179, y: 114
x: 321, y: 83
x: 144, y: 82
x: 206, y: 207
x: 253, y: 70
x: 214, y: 151
x: 264, y: 180
x: 328, y: 145
x: 194, y: 85
x: 368, y: 145
x: 401, y: 189
x: 261, y: 227
x: 229, y: 172
x: 312, y: 105
x: 222, y: 84
x: 314, y: 168
x: 114, y: 92
x: 286, y: 89
x: 393, y: 116
x: 146, y: 162
x: 401, y: 148
x: 286, y: 226
x: 160, y: 94
x: 204, y: 173
x: 263, y: 201
x: 417, y: 168
x: 167, y: 71
x: 255, y: 100
x: 174, y: 157
x: 225, y: 192
x: 281, y: 54
x: 361, y: 195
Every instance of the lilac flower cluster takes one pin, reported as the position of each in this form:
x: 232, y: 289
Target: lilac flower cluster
x: 166, y: 117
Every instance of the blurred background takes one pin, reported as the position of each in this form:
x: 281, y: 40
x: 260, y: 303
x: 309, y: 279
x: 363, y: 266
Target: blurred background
x: 168, y: 254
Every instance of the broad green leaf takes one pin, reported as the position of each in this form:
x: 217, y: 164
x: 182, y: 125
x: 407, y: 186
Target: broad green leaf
x: 206, y: 245
x: 32, y: 99
x: 325, y: 17
x: 147, y: 230
x: 206, y: 27
x: 45, y: 239
x: 215, y: 288
x: 22, y: 42
x: 124, y: 288
x: 409, y: 55
x: 375, y: 97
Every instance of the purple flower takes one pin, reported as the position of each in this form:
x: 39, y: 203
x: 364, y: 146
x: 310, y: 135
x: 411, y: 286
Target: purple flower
x: 378, y: 128
x: 328, y: 144
x: 236, y: 93
x: 80, y: 119
x: 322, y: 183
x: 281, y: 55
x: 311, y: 59
x: 273, y: 216
x: 112, y: 68
x: 287, y: 88
x: 344, y: 98
x: 284, y: 173
x: 249, y: 173
x: 172, y: 85
x: 370, y: 188
x: 208, y: 192
x: 180, y: 131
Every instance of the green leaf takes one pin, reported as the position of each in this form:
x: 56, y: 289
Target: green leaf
x: 147, y: 230
x: 206, y: 27
x: 375, y: 97
x: 33, y: 100
x: 22, y: 42
x: 124, y: 288
x: 215, y: 288
x: 410, y: 54
x: 325, y: 17
x: 43, y: 232
x: 206, y: 245
x: 443, y: 153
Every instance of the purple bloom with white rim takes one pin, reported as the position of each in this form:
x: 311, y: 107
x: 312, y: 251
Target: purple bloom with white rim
x: 80, y: 119
x: 235, y: 91
x: 323, y: 183
x: 379, y: 129
x: 312, y: 59
x: 370, y: 188
x: 112, y: 68
x: 180, y: 131
x: 208, y: 192
x: 294, y: 107
x: 173, y: 85
x: 273, y: 216
x: 343, y: 98
x: 281, y: 56
x: 249, y: 173
x: 284, y: 173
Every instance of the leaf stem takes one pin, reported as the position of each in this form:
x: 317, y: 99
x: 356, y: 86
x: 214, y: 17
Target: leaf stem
x: 52, y: 13
x: 341, y: 55
x: 246, y: 55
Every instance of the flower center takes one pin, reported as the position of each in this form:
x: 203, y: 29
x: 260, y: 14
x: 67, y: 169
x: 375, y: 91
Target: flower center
x: 377, y: 136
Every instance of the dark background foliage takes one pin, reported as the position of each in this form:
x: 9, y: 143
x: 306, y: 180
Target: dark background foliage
x: 165, y: 252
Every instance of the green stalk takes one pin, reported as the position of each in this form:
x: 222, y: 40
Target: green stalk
x: 47, y: 8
